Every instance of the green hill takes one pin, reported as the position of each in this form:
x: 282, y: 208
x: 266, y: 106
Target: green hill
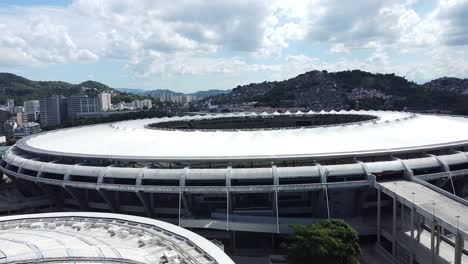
x: 21, y: 89
x: 355, y: 89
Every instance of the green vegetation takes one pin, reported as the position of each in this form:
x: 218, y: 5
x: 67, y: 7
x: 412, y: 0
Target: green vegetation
x: 21, y: 89
x: 127, y: 98
x: 11, y: 141
x: 403, y: 92
x: 353, y: 90
x: 326, y: 242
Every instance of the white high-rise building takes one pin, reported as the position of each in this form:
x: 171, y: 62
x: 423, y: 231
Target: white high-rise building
x: 147, y: 103
x: 31, y: 106
x: 11, y: 105
x: 32, y: 109
x: 142, y: 104
x: 105, y: 102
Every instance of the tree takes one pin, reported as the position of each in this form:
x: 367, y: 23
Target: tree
x: 327, y: 242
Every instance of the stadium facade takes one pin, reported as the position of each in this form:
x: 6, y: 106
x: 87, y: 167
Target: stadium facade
x: 242, y: 172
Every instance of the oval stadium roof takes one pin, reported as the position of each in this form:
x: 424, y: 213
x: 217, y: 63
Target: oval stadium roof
x: 392, y: 131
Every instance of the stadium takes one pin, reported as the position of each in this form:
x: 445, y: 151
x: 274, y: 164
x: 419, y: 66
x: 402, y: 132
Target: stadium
x: 228, y: 176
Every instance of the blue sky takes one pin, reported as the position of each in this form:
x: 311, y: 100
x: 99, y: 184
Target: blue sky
x: 196, y: 45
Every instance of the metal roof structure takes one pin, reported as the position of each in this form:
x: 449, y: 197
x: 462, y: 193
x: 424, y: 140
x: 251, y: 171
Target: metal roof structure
x: 101, y: 238
x: 389, y: 132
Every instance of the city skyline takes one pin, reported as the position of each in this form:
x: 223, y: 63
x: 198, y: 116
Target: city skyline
x: 190, y: 46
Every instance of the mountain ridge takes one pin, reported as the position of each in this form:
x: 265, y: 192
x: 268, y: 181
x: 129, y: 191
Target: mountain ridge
x: 314, y: 90
x: 157, y: 92
x: 354, y: 89
x: 21, y: 89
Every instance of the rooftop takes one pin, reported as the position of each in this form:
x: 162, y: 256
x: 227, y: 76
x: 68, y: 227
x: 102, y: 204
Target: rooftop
x: 100, y: 237
x: 391, y: 131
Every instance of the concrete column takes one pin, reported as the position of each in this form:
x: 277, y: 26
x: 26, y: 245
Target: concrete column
x: 418, y: 228
x: 394, y: 223
x: 412, y: 221
x: 233, y: 240
x: 459, y: 245
x: 277, y: 213
x: 227, y: 209
x: 446, y: 168
x: 437, y: 248
x: 180, y: 202
x: 402, y: 216
x: 228, y: 186
x: 103, y: 193
x: 140, y: 194
x: 433, y: 226
x: 413, y: 241
x: 379, y: 197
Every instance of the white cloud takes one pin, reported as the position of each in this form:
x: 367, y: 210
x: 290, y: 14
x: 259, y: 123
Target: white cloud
x: 339, y: 48
x: 196, y: 37
x: 156, y: 63
x: 453, y: 15
x: 35, y: 39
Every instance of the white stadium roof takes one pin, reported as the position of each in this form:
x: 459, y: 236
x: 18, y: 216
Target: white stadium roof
x: 101, y: 237
x: 392, y: 131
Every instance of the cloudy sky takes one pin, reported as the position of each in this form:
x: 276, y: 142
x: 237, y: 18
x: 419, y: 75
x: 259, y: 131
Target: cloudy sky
x: 190, y: 45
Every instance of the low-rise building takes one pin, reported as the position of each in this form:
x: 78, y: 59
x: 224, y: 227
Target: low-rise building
x: 29, y: 128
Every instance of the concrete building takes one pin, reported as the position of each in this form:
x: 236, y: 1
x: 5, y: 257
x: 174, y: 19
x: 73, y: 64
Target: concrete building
x: 11, y: 105
x: 82, y: 104
x: 4, y: 116
x: 105, y: 101
x: 53, y: 110
x: 182, y: 99
x: 146, y: 103
x: 31, y: 128
x: 32, y: 109
x: 9, y: 128
x: 18, y: 109
x: 142, y: 104
x: 166, y: 97
x: 21, y: 118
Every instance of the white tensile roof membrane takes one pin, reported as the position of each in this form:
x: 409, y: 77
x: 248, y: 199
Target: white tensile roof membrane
x: 393, y: 130
x: 79, y: 237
